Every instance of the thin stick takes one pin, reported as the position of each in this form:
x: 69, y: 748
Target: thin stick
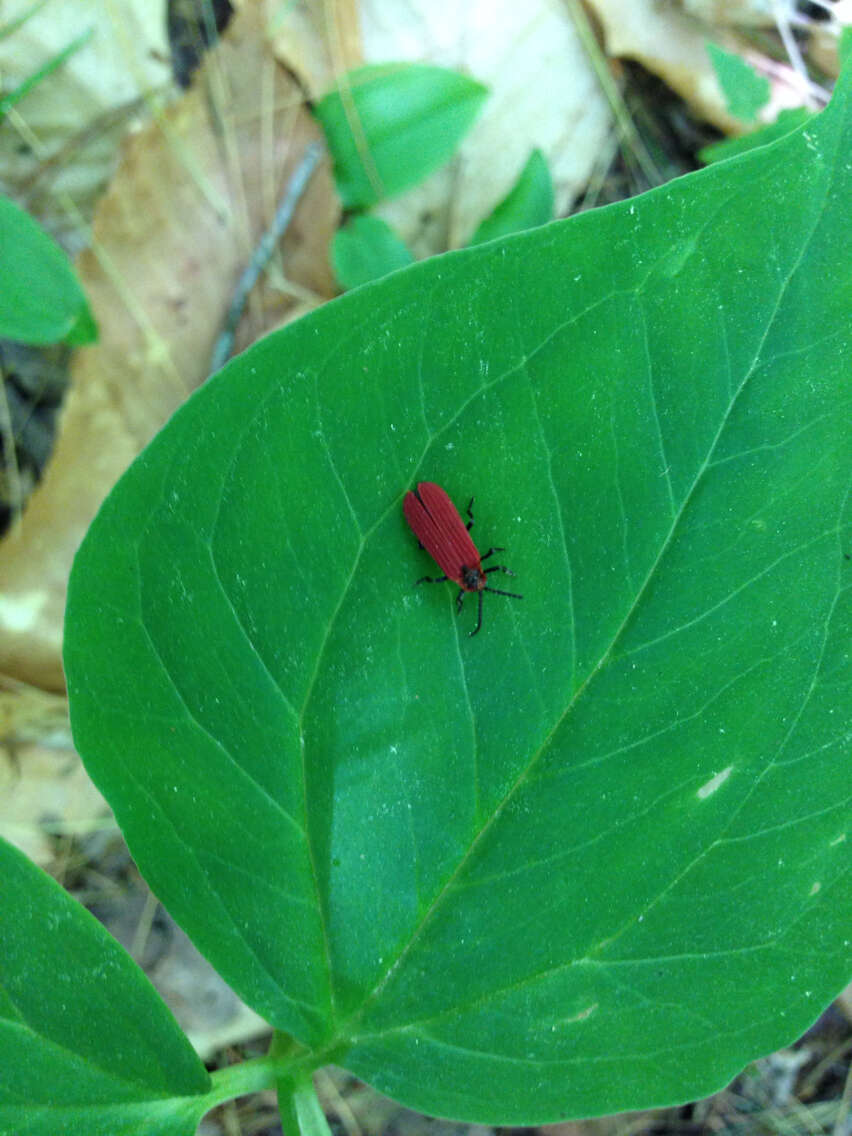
x: 13, y: 472
x: 629, y: 135
x: 283, y: 216
x: 782, y: 23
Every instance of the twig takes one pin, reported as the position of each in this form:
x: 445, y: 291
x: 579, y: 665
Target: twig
x: 627, y: 131
x: 781, y: 12
x: 283, y: 215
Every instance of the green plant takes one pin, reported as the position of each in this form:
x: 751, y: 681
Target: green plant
x: 528, y: 203
x: 595, y: 858
x: 40, y: 299
x: 389, y: 127
x: 365, y: 249
x: 745, y: 91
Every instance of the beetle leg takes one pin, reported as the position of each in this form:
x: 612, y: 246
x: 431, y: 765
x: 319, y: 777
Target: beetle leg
x: 459, y: 601
x: 498, y: 568
x: 479, y: 617
x: 499, y: 592
x: 431, y: 580
x: 490, y: 552
x: 469, y: 524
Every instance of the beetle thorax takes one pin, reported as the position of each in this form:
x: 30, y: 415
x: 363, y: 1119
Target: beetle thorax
x: 472, y: 579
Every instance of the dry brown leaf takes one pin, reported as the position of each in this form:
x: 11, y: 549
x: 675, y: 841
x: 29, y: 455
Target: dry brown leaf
x: 207, y: 1009
x: 543, y: 93
x: 44, y: 789
x: 672, y: 44
x: 738, y: 13
x: 180, y: 220
x: 62, y: 136
x: 823, y: 48
x: 317, y: 42
x: 45, y: 792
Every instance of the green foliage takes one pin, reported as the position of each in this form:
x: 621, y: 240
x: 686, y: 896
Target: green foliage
x: 365, y: 249
x: 528, y: 203
x: 389, y: 126
x: 745, y: 91
x: 593, y: 859
x: 40, y: 299
x: 786, y: 121
x: 87, y: 1044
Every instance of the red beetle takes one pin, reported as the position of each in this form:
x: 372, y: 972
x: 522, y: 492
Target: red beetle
x: 436, y: 523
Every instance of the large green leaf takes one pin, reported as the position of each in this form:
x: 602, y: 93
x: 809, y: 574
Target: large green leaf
x: 594, y: 858
x: 87, y: 1044
x: 40, y: 299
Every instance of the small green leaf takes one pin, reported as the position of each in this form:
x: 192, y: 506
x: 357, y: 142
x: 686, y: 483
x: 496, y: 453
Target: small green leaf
x: 86, y: 1044
x: 597, y: 857
x: 787, y: 120
x: 84, y: 331
x: 365, y: 249
x: 389, y: 126
x: 745, y: 91
x: 40, y: 299
x: 527, y: 204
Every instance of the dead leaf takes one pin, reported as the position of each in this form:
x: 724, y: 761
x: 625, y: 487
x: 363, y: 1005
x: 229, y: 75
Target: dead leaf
x: 62, y: 136
x: 672, y: 44
x: 543, y: 93
x: 193, y: 193
x: 737, y: 13
x: 317, y: 42
x: 206, y: 1008
x: 823, y: 48
x: 44, y: 790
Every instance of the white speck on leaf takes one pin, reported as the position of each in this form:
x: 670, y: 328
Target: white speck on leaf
x: 710, y: 787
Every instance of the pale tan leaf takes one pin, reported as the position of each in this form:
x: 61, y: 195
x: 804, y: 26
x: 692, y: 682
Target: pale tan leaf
x: 194, y: 192
x: 737, y: 13
x: 543, y: 93
x: 62, y: 136
x: 317, y: 42
x: 44, y: 790
x: 672, y: 44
